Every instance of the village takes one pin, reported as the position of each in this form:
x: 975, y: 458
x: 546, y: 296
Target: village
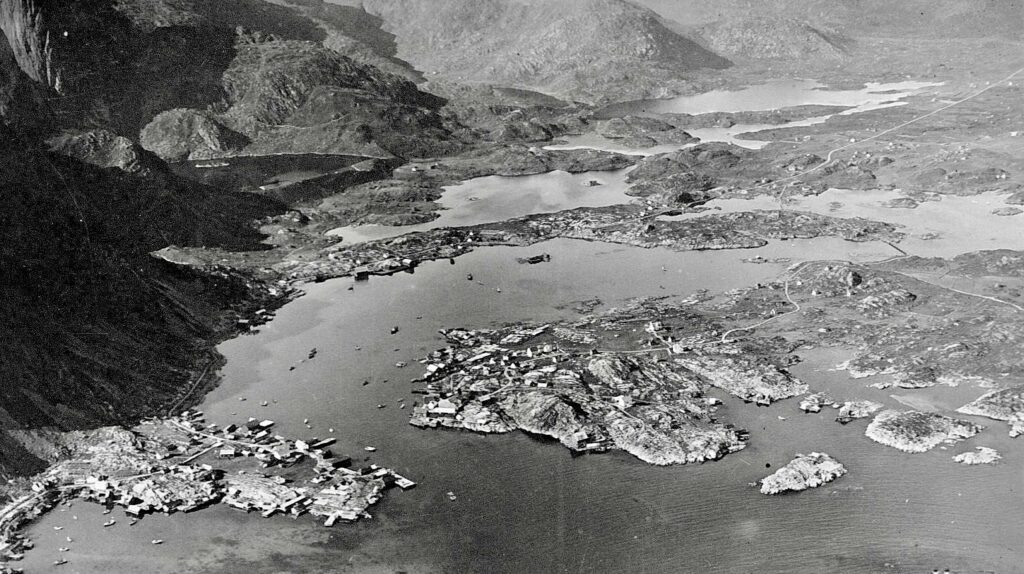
x: 184, y: 464
x: 633, y: 379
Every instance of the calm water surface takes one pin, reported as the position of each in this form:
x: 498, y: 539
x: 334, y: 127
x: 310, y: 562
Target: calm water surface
x: 773, y: 95
x: 497, y: 198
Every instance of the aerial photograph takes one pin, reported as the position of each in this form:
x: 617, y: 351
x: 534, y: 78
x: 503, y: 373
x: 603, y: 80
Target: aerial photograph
x: 512, y: 286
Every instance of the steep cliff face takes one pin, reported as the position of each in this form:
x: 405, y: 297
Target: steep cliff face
x: 23, y: 25
x: 105, y: 71
x: 567, y: 48
x: 95, y: 330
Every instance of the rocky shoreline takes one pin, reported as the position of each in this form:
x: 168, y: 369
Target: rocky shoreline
x: 981, y: 455
x: 183, y: 464
x: 599, y: 383
x: 1001, y: 405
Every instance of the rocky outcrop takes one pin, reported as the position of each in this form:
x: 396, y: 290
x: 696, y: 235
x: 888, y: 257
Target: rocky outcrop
x: 915, y: 431
x: 803, y: 472
x: 23, y: 23
x: 1001, y: 405
x: 773, y: 39
x: 498, y: 381
x: 853, y: 410
x: 293, y: 96
x: 1007, y: 211
x: 814, y: 402
x: 106, y: 149
x: 744, y: 377
x: 849, y: 411
x: 981, y: 455
x: 641, y: 132
x: 183, y: 134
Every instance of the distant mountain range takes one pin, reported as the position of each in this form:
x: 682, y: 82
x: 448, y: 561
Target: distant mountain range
x: 861, y: 18
x: 583, y: 49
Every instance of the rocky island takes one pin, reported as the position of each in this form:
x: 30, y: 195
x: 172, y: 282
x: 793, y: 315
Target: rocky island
x: 981, y: 455
x: 803, y: 472
x: 914, y: 431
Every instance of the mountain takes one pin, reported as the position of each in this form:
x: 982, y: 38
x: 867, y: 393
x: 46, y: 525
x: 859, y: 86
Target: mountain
x: 861, y: 18
x: 95, y: 99
x: 95, y: 330
x: 772, y: 39
x: 579, y: 49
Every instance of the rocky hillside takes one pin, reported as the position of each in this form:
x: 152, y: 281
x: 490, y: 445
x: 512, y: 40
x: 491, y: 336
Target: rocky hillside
x: 581, y: 49
x: 862, y: 18
x: 235, y: 76
x: 301, y: 97
x: 95, y: 330
x: 772, y: 39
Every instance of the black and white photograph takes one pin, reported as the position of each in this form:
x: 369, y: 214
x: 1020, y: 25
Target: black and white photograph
x: 511, y: 286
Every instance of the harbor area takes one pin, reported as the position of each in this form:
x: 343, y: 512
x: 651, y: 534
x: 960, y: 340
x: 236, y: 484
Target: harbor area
x: 184, y: 464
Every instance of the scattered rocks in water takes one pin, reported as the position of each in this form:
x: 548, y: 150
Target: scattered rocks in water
x: 764, y: 260
x: 1007, y: 211
x: 803, y: 472
x: 915, y: 431
x: 981, y: 455
x: 853, y: 410
x: 535, y: 259
x: 916, y: 378
x: 848, y: 411
x: 901, y: 203
x: 812, y: 403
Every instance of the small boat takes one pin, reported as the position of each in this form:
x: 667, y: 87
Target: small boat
x: 370, y: 448
x: 451, y: 495
x: 63, y: 549
x: 58, y: 528
x: 158, y: 541
x: 110, y: 522
x: 68, y: 538
x: 107, y: 511
x: 60, y: 562
x: 133, y: 522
